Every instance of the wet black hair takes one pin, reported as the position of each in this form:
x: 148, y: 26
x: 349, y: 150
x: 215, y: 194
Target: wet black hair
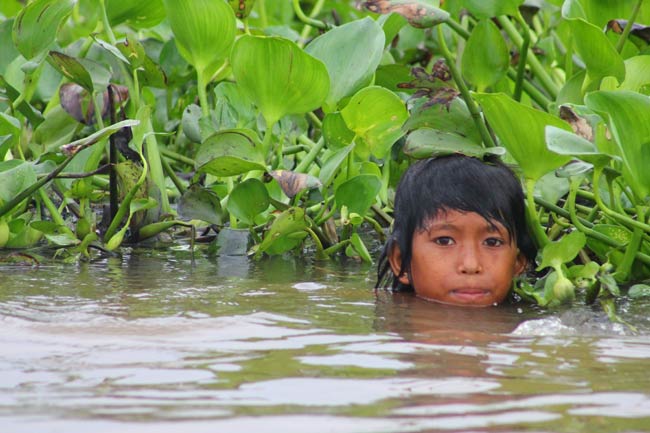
x: 454, y: 182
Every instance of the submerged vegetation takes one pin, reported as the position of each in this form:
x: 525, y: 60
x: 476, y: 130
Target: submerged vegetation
x: 274, y: 126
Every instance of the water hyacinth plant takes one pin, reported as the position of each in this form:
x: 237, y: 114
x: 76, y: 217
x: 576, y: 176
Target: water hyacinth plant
x: 276, y: 127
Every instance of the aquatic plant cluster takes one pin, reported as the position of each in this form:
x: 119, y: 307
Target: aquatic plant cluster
x: 275, y: 126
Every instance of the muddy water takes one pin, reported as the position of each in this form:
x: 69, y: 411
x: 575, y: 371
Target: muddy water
x: 150, y: 343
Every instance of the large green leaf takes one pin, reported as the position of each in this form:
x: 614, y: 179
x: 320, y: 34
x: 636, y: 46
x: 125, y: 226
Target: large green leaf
x: 598, y: 53
x: 247, y: 200
x: 629, y: 121
x: 636, y: 74
x: 202, y: 204
x: 88, y: 74
x: 205, y: 32
x: 376, y: 115
x: 599, y: 12
x: 278, y: 76
x: 567, y: 143
x: 563, y: 250
x: 230, y: 152
x: 15, y: 177
x: 350, y: 65
x: 455, y: 118
x: 520, y: 130
x: 485, y: 58
x: 427, y: 142
x: 492, y: 8
x: 37, y: 24
x: 358, y: 193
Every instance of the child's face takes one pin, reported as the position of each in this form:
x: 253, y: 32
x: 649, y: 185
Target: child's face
x: 461, y: 259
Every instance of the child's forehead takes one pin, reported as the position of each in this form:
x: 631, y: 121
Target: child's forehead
x: 451, y: 217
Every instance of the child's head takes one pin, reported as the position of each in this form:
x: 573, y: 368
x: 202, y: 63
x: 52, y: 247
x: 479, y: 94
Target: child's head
x: 459, y: 234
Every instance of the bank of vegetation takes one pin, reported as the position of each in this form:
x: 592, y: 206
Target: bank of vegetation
x: 274, y: 126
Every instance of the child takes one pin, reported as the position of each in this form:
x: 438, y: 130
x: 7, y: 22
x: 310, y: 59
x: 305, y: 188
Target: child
x: 459, y: 235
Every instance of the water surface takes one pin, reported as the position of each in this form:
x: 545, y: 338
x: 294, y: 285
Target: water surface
x: 151, y: 343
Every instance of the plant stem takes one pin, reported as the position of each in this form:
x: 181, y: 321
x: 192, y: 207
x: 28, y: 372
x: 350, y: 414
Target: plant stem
x: 523, y: 54
x: 533, y: 62
x: 307, y: 20
x: 464, y: 91
x: 533, y: 218
x: 203, y: 97
x: 172, y: 175
x: 304, y: 164
x: 625, y: 267
x: 626, y: 220
x: 628, y: 28
x: 178, y: 157
x: 307, y: 28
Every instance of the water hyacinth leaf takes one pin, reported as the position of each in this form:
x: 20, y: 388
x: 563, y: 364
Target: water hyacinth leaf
x: 521, y: 130
x: 198, y: 203
x: 36, y: 26
x: 567, y: 143
x: 427, y: 142
x: 562, y: 251
x: 454, y: 118
x: 72, y: 69
x: 350, y: 65
x: 419, y: 13
x: 230, y: 152
x: 376, y: 115
x: 492, y: 8
x: 204, y: 31
x: 336, y: 132
x: 247, y: 200
x: 598, y: 53
x: 331, y: 165
x: 190, y: 121
x: 149, y: 72
x: 360, y: 247
x: 242, y: 8
x: 628, y: 116
x: 636, y: 74
x: 15, y: 177
x: 292, y: 183
x: 485, y: 58
x: 56, y: 234
x: 137, y: 14
x: 358, y: 193
x: 278, y: 76
x: 618, y: 233
x: 287, y: 232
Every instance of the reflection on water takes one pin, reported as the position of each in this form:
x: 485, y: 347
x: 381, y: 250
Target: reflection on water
x: 289, y: 345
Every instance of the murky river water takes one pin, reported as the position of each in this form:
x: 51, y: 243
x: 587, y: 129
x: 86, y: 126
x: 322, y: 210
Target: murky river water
x: 150, y: 343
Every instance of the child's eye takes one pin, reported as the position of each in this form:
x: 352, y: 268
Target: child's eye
x: 493, y: 242
x: 444, y: 241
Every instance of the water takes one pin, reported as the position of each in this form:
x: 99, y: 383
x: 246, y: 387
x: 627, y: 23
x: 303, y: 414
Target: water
x: 150, y: 343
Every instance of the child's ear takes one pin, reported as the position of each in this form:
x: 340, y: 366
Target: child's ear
x: 520, y: 263
x: 395, y: 261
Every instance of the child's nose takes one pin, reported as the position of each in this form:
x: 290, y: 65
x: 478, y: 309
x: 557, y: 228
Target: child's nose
x: 470, y: 262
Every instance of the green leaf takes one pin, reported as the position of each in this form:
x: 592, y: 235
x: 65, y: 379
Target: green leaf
x: 15, y: 177
x: 455, y: 118
x: 287, y: 232
x: 230, y: 152
x: 485, y: 58
x: 247, y: 200
x: 336, y: 133
x: 204, y: 31
x: 562, y: 251
x: 427, y: 142
x: 332, y: 164
x: 639, y: 291
x: 629, y: 121
x: 598, y: 53
x: 604, y: 251
x: 636, y: 73
x: 350, y: 65
x: 37, y: 24
x: 360, y: 248
x: 201, y: 204
x: 278, y: 76
x: 376, y: 115
x: 145, y: 14
x: 358, y: 193
x: 567, y: 143
x: 88, y: 74
x: 492, y: 8
x: 521, y: 130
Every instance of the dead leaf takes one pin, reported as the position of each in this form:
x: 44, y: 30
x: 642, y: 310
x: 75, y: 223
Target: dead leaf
x: 638, y: 30
x: 75, y: 100
x: 418, y: 14
x: 579, y: 125
x: 292, y: 183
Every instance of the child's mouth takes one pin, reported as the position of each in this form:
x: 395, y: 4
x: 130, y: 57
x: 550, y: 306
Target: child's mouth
x: 470, y: 295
